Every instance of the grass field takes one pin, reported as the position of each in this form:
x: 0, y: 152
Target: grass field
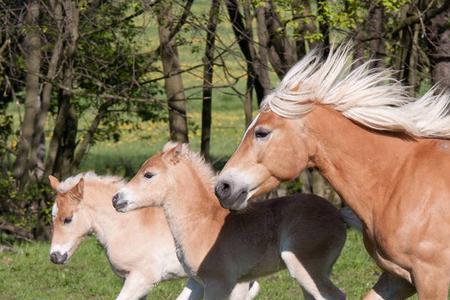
x: 28, y: 274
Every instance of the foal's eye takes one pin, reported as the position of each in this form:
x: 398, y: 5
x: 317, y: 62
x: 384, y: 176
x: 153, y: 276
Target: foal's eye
x: 261, y: 133
x: 67, y: 220
x: 148, y: 175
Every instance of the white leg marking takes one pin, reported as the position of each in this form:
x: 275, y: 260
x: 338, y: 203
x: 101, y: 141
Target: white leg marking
x: 192, y: 291
x: 136, y: 286
x: 254, y: 290
x: 242, y: 291
x: 298, y: 271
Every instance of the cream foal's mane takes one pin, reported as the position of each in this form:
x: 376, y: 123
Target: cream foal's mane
x: 204, y: 169
x: 90, y: 176
x: 372, y: 97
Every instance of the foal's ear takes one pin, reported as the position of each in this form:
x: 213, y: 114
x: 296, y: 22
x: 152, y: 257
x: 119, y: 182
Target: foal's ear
x: 54, y: 182
x: 77, y: 190
x: 173, y: 155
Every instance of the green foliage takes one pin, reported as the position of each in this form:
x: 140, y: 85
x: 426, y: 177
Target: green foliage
x: 108, y: 62
x: 394, y: 5
x: 19, y: 208
x: 6, y: 127
x: 343, y: 15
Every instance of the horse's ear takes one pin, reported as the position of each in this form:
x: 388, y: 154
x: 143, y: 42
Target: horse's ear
x: 173, y: 155
x: 54, y: 182
x: 77, y: 190
x: 170, y: 145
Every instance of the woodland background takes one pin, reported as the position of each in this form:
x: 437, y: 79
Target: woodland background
x: 96, y: 84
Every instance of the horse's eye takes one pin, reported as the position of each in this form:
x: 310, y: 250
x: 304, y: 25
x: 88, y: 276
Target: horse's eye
x: 67, y: 220
x: 148, y: 175
x: 261, y: 133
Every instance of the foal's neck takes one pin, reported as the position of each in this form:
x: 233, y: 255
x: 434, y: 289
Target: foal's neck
x: 104, y: 218
x: 195, y: 217
x: 358, y: 162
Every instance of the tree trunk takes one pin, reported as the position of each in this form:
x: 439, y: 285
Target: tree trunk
x: 248, y: 100
x: 324, y: 27
x: 63, y: 143
x: 282, y: 53
x: 32, y: 53
x: 208, y: 69
x: 376, y: 28
x: 263, y: 53
x: 300, y: 11
x: 252, y: 82
x: 243, y: 36
x: 38, y: 145
x: 88, y: 138
x: 413, y: 61
x: 439, y: 36
x: 173, y: 82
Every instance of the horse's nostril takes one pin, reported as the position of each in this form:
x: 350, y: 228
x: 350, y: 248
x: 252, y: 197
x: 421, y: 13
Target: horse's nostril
x: 57, y: 257
x: 53, y: 257
x: 223, y: 190
x: 226, y: 186
x: 115, y: 198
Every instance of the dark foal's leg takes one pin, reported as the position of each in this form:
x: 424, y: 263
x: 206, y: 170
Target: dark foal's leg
x: 390, y: 287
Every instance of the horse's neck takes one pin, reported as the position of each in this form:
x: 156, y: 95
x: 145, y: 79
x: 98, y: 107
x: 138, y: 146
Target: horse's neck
x: 355, y: 160
x: 195, y: 218
x: 104, y: 219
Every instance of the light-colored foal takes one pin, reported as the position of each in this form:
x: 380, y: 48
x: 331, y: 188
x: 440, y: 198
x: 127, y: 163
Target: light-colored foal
x: 138, y: 245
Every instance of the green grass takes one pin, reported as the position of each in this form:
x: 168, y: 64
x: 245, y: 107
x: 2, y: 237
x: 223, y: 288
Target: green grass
x: 28, y: 274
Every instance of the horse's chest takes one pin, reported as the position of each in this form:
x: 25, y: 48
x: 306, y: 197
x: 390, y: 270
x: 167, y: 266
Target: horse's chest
x: 118, y: 268
x: 384, y: 248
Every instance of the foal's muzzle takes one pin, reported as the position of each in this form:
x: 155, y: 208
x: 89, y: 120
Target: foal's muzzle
x: 119, y: 203
x: 58, y: 258
x: 230, y: 196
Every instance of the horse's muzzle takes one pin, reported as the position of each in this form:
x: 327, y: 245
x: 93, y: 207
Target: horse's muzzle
x: 229, y: 197
x: 119, y: 203
x: 58, y: 258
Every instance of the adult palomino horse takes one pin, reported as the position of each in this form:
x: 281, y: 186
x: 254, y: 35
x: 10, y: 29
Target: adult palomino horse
x: 139, y: 245
x: 222, y: 248
x: 386, y: 154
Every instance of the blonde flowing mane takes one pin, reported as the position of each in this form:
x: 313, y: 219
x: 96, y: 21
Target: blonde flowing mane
x: 203, y: 169
x: 372, y: 97
x: 70, y: 182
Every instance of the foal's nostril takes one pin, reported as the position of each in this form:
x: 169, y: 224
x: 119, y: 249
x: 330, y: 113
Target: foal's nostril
x: 115, y: 198
x: 57, y: 257
x: 119, y: 203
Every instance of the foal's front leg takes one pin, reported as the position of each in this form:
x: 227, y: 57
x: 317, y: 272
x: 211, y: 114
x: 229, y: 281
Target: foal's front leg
x: 217, y: 289
x: 245, y: 291
x: 136, y: 287
x: 192, y: 291
x: 390, y: 287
